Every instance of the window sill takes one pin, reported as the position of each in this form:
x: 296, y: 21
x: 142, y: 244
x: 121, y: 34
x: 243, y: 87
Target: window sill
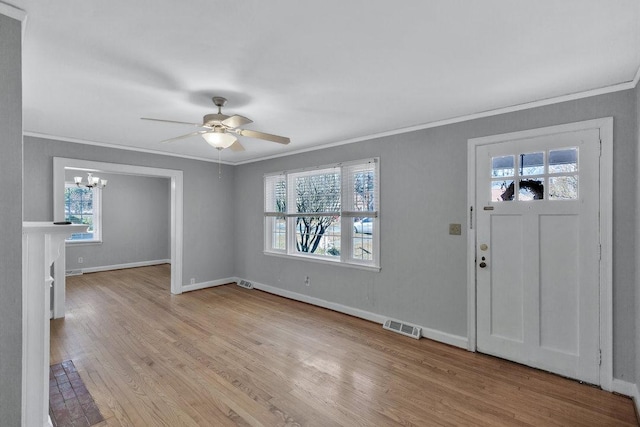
x: 324, y: 261
x: 82, y: 243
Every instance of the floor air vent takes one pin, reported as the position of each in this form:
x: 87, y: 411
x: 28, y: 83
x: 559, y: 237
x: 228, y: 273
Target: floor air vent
x: 403, y: 328
x: 245, y: 284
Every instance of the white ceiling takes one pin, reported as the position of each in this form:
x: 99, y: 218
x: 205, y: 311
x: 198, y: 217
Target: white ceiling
x: 318, y: 72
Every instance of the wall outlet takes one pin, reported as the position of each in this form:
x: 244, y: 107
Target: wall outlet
x: 307, y: 281
x: 80, y: 260
x: 192, y: 281
x: 455, y: 229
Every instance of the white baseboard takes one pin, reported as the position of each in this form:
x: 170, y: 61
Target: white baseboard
x: 636, y: 399
x: 209, y: 284
x: 432, y: 334
x: 445, y: 337
x: 121, y: 266
x: 623, y: 387
x: 626, y: 388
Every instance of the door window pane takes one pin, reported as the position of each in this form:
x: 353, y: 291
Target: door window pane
x: 563, y: 160
x: 502, y: 166
x: 502, y: 191
x: 563, y: 187
x: 531, y: 164
x: 531, y: 189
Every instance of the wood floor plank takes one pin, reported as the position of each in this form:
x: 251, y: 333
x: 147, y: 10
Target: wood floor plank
x: 228, y: 356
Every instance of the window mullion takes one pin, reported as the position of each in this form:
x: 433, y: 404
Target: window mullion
x: 291, y: 208
x: 345, y: 229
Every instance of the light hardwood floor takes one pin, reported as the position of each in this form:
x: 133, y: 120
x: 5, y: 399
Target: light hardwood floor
x: 230, y: 356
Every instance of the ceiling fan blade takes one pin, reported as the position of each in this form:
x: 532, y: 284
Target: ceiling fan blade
x: 236, y: 146
x: 173, y: 121
x: 265, y: 136
x: 235, y: 121
x: 200, y: 132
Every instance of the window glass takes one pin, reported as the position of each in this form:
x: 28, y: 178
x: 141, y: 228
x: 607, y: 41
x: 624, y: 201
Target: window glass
x: 551, y: 174
x: 563, y: 187
x: 531, y: 164
x: 362, y: 240
x: 362, y: 184
x: 563, y: 160
x: 279, y: 230
x: 531, y: 189
x: 502, y: 190
x: 318, y: 192
x: 329, y: 213
x: 318, y: 235
x: 502, y: 166
x: 79, y: 209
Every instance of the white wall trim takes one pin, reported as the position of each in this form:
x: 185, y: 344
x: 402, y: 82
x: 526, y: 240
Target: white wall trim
x: 209, y: 284
x: 176, y: 216
x: 605, y: 126
x: 636, y: 78
x: 627, y: 389
x: 509, y: 109
x: 636, y: 400
x: 122, y: 147
x: 429, y: 333
x: 445, y: 337
x: 13, y: 12
x: 123, y: 266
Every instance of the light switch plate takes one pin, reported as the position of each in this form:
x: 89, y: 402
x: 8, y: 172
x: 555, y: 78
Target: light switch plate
x: 455, y: 229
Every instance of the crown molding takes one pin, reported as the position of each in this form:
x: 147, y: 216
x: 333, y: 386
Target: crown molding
x: 519, y: 107
x: 12, y: 11
x: 122, y: 147
x: 510, y: 109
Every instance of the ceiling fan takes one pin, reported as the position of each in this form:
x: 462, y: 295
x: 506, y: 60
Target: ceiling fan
x: 219, y: 129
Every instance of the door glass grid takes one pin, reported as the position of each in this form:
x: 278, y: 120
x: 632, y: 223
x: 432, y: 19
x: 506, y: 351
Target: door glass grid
x: 551, y: 174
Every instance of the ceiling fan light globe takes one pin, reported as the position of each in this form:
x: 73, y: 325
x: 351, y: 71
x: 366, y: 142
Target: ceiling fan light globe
x: 219, y: 140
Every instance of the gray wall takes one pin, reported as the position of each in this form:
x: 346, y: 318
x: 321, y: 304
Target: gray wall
x: 208, y: 208
x: 423, y: 189
x: 135, y: 222
x: 11, y: 220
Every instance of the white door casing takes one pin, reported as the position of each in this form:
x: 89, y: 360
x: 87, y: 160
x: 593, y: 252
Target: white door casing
x: 537, y: 294
x: 176, y: 212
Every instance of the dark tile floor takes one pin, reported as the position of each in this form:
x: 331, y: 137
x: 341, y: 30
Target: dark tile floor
x: 70, y: 404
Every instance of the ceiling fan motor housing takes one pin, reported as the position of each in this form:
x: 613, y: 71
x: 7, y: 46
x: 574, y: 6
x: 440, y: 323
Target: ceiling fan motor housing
x: 213, y: 120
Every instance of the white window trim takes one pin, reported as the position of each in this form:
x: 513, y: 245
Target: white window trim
x: 97, y: 219
x: 345, y: 259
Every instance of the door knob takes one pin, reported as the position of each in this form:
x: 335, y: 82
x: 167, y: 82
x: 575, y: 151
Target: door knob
x: 482, y: 264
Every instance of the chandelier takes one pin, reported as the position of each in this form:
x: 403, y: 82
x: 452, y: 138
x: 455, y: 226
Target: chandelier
x: 92, y: 181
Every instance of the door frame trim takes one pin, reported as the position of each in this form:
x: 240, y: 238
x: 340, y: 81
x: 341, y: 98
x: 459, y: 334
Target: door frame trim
x: 605, y: 127
x: 176, y: 208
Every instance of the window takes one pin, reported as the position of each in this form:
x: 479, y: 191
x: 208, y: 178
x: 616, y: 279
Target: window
x: 328, y: 213
x: 82, y: 206
x: 547, y: 175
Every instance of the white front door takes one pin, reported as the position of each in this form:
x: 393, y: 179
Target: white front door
x: 537, y: 252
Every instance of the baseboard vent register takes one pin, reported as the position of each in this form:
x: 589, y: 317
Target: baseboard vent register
x: 245, y: 284
x: 403, y: 328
